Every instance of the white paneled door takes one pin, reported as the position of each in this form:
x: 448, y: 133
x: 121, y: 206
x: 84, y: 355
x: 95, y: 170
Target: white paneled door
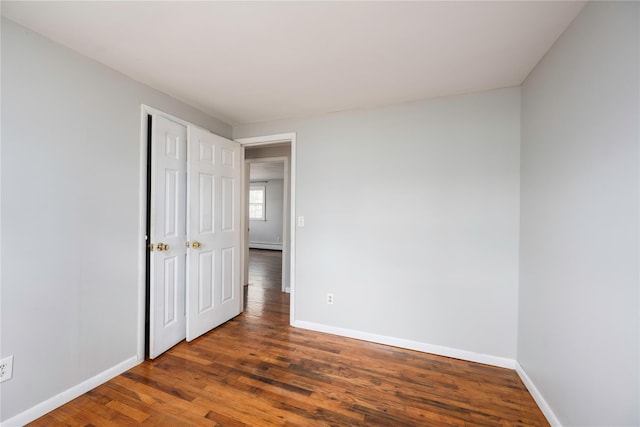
x: 213, y: 261
x: 167, y: 320
x: 194, y: 233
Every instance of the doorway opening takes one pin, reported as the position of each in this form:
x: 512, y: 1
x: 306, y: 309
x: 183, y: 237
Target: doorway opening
x: 269, y: 207
x: 267, y: 211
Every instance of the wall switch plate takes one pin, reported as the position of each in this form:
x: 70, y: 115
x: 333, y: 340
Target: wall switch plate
x: 300, y: 221
x: 329, y: 298
x: 6, y: 369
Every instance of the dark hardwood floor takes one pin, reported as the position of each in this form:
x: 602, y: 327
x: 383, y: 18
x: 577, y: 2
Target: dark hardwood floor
x: 258, y: 371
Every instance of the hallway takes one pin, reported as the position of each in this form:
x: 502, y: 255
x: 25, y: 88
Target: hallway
x: 263, y: 295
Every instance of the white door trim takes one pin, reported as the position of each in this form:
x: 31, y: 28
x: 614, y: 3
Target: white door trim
x: 270, y: 140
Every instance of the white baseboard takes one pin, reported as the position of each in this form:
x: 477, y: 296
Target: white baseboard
x: 56, y: 401
x: 470, y: 356
x: 537, y: 396
x: 272, y: 246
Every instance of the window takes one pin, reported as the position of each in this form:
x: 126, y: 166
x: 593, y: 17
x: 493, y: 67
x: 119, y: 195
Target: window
x: 257, y: 198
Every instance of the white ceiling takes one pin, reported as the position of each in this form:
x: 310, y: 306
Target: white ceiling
x: 255, y: 61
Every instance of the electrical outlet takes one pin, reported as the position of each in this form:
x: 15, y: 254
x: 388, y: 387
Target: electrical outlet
x: 6, y: 368
x: 329, y: 298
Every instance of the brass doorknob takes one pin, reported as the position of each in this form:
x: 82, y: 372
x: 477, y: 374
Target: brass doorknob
x: 162, y: 247
x: 195, y: 244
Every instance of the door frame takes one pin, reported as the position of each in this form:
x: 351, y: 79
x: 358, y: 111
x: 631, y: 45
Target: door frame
x: 265, y: 141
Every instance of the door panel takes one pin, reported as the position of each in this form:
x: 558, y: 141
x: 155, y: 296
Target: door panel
x: 227, y: 274
x: 207, y: 198
x: 205, y: 279
x: 228, y: 203
x: 213, y: 268
x: 168, y: 227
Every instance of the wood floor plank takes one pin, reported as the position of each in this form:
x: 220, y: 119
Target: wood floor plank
x: 256, y: 370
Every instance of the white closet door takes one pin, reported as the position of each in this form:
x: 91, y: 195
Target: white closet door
x: 168, y: 234
x: 214, y: 292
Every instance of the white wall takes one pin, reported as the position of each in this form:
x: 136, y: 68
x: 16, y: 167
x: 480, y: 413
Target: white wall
x: 579, y: 310
x: 411, y: 219
x: 267, y: 234
x: 70, y: 215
